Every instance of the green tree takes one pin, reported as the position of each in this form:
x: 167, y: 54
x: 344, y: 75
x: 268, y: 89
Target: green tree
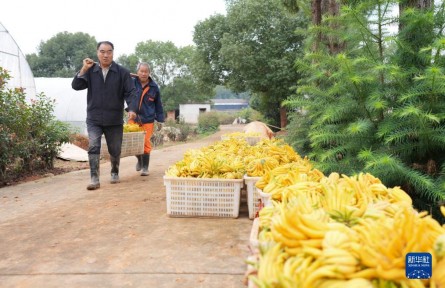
x: 129, y: 61
x: 377, y: 106
x: 209, y: 66
x: 62, y: 55
x: 253, y: 49
x: 171, y: 69
x: 224, y: 93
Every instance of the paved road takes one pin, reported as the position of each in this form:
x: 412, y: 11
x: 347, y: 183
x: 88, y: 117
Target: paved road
x: 55, y: 233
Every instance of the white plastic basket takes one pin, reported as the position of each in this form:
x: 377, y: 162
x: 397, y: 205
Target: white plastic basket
x: 251, y: 270
x: 202, y: 197
x: 255, y: 251
x: 132, y: 144
x: 253, y: 197
x: 254, y: 246
x: 265, y: 198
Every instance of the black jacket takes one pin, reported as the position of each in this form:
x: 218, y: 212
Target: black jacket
x: 105, y: 100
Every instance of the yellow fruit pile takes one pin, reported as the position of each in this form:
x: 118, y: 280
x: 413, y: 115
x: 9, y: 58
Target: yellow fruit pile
x: 222, y: 160
x: 266, y: 155
x: 341, y: 231
x: 288, y: 178
x: 233, y: 158
x: 132, y: 128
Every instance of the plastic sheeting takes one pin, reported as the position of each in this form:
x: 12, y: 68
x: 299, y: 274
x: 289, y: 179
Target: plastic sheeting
x: 70, y: 105
x: 13, y: 60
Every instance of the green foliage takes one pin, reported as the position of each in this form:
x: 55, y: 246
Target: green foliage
x: 171, y: 68
x: 251, y: 115
x: 222, y: 92
x: 208, y: 122
x: 377, y: 105
x: 297, y: 130
x: 128, y: 61
x: 30, y: 137
x: 225, y: 118
x: 62, y: 55
x: 185, y: 130
x: 209, y: 66
x: 182, y: 90
x: 164, y: 60
x: 253, y: 48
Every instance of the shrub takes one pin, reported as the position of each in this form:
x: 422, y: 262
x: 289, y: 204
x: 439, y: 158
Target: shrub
x: 225, y: 118
x: 208, y: 122
x: 184, y: 130
x: 251, y: 115
x: 179, y: 130
x: 30, y: 136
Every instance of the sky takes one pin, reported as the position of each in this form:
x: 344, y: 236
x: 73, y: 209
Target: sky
x: 123, y: 22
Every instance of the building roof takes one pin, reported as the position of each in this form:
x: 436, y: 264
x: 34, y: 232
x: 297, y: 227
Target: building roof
x: 230, y: 102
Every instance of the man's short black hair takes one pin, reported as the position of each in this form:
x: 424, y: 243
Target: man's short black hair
x: 105, y: 42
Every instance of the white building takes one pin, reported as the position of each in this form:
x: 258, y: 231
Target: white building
x: 190, y: 112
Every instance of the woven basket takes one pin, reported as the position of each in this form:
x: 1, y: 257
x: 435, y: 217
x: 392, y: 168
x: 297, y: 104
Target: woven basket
x: 132, y: 144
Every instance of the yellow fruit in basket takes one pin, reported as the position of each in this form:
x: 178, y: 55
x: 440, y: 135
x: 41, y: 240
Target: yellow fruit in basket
x: 132, y: 128
x: 438, y: 277
x: 258, y: 167
x: 352, y: 283
x: 399, y: 195
x: 439, y: 247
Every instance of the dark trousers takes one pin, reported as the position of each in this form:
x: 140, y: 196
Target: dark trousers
x: 113, y: 136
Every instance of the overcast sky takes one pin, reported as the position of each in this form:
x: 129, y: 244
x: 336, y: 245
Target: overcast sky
x: 123, y: 22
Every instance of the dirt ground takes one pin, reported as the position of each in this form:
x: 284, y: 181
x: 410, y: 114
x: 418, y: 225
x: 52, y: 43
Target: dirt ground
x: 56, y: 233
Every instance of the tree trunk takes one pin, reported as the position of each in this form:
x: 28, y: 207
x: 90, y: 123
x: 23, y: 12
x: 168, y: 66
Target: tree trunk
x: 283, y: 117
x: 334, y: 43
x: 331, y: 8
x: 316, y: 21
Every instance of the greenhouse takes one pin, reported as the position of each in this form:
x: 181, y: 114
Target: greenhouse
x: 13, y: 60
x: 70, y: 105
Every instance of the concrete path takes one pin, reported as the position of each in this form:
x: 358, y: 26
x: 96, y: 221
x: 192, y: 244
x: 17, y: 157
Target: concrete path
x: 55, y: 233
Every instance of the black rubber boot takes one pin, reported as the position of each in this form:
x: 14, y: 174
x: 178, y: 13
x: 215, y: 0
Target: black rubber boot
x: 139, y: 164
x: 114, y: 170
x: 94, y: 160
x: 145, y: 163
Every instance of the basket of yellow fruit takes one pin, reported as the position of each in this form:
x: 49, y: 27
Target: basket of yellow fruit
x: 132, y: 142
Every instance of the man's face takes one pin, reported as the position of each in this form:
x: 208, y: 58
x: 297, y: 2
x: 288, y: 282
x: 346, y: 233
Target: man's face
x: 105, y: 54
x: 143, y: 73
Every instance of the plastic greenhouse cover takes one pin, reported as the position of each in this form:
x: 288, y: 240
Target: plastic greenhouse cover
x: 13, y: 60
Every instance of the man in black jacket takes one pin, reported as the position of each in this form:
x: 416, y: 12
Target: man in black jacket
x: 109, y: 85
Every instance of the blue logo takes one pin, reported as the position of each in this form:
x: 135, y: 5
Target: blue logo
x: 418, y: 265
